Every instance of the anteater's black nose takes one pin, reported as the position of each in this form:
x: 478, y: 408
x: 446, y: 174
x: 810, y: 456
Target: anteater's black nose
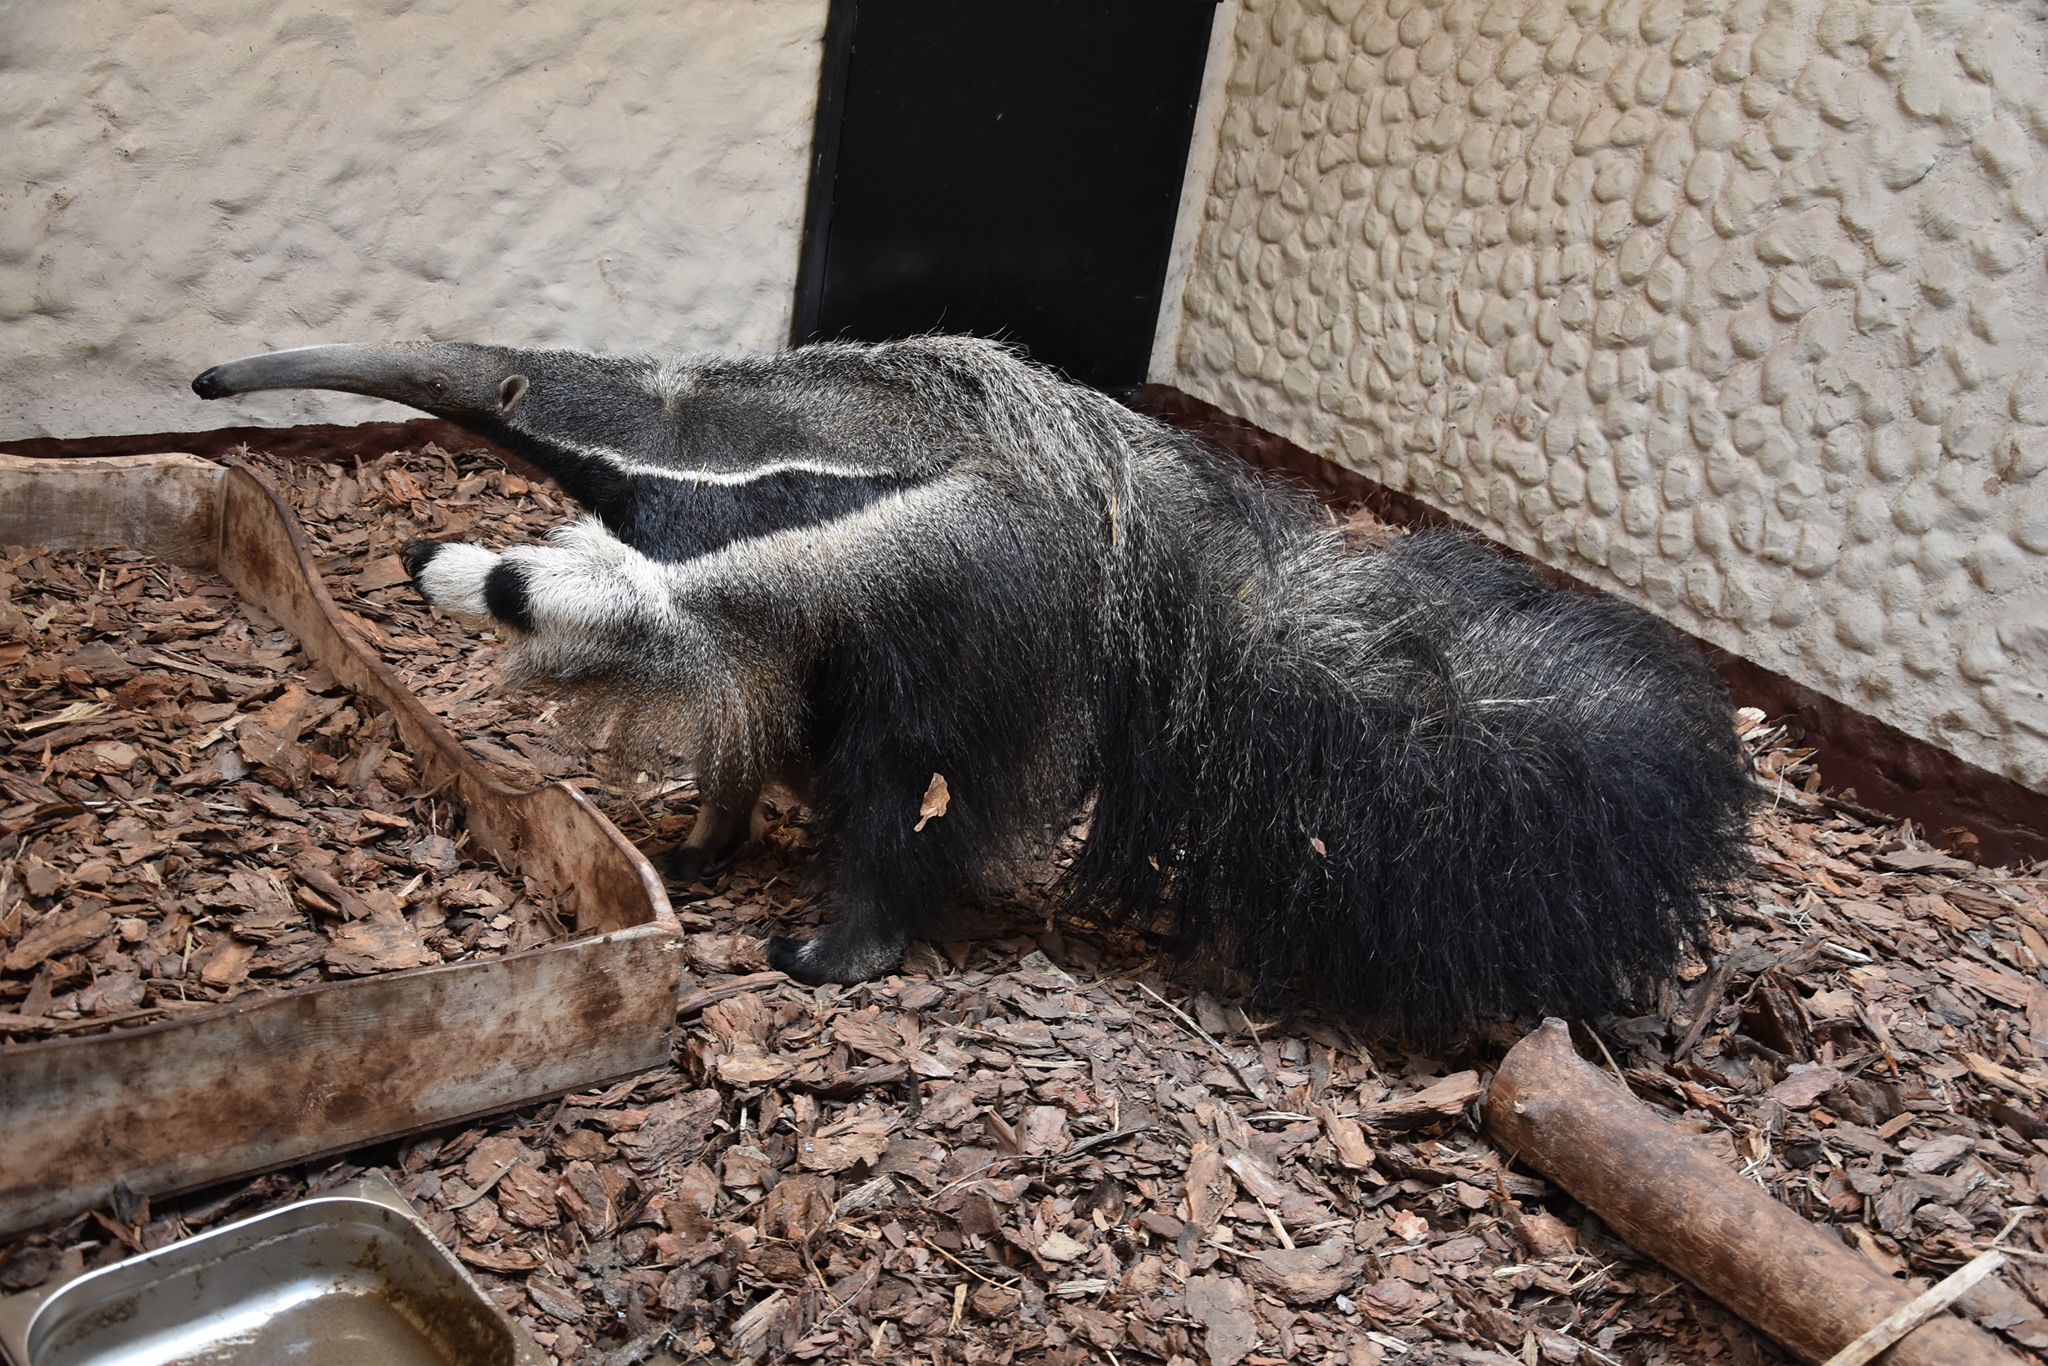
x: 208, y: 385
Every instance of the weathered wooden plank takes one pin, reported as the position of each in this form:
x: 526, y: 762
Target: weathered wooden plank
x: 553, y: 833
x: 167, y: 505
x: 262, y: 1083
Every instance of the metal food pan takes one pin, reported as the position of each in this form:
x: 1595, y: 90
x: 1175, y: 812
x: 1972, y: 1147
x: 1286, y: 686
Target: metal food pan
x: 262, y: 1082
x: 349, y: 1277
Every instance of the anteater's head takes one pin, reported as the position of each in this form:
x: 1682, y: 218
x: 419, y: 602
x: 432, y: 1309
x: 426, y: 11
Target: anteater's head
x: 460, y: 381
x: 582, y: 419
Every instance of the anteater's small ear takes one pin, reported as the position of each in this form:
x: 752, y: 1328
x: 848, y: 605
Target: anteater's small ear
x: 509, y: 394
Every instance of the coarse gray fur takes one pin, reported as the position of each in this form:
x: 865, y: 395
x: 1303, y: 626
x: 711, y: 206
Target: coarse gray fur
x: 1415, y: 781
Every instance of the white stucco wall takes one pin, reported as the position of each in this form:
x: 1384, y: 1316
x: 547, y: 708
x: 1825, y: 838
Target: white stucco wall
x: 1739, y: 307
x: 184, y: 183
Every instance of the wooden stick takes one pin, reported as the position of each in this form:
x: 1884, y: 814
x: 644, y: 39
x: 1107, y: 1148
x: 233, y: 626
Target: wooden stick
x: 1258, y: 1092
x: 1629, y: 1164
x: 1916, y: 1312
x: 1708, y: 1001
x: 738, y: 986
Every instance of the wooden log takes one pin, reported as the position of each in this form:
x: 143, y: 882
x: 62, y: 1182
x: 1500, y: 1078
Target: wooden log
x: 1654, y: 1187
x: 167, y: 505
x: 551, y: 833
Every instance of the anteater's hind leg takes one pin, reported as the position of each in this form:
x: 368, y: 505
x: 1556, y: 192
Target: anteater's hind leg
x: 728, y: 818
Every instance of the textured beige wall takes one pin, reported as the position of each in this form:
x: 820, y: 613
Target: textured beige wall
x: 183, y: 183
x: 1737, y: 308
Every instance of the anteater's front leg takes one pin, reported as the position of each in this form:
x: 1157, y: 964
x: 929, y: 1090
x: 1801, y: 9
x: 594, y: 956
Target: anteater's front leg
x: 735, y: 640
x: 864, y: 939
x: 588, y: 609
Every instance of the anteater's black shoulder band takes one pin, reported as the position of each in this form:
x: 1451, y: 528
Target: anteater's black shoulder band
x: 674, y: 518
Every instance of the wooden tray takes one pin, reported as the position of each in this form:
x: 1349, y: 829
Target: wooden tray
x: 254, y: 1085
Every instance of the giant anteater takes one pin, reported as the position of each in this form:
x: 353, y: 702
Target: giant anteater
x: 1415, y: 781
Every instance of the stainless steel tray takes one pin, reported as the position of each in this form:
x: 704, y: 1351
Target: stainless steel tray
x: 349, y: 1277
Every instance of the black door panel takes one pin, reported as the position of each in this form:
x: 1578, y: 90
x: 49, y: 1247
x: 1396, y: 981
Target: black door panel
x: 1005, y: 169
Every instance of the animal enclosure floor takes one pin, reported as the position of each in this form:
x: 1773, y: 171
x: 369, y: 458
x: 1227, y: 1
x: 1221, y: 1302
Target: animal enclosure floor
x: 1044, y: 1146
x: 192, y: 812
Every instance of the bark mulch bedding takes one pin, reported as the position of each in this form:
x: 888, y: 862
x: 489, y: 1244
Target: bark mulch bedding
x: 1043, y: 1146
x: 195, y: 812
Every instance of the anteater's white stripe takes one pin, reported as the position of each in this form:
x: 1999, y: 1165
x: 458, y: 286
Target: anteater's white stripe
x: 683, y: 474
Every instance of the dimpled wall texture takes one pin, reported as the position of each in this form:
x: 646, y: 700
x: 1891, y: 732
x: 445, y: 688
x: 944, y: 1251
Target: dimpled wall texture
x: 1740, y: 309
x: 184, y: 183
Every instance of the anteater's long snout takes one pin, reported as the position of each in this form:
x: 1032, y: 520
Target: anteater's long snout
x: 382, y: 371
x: 211, y: 384
x: 457, y: 380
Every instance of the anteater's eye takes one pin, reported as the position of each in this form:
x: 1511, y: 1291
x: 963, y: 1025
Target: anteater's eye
x: 438, y: 384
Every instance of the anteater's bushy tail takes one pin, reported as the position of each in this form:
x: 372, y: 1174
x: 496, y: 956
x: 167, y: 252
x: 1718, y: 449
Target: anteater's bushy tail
x: 1427, y: 787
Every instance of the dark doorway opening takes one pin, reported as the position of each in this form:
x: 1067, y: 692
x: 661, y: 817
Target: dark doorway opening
x: 1009, y: 169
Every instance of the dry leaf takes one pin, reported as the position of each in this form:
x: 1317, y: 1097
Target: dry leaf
x: 366, y: 946
x: 1058, y: 1247
x: 749, y: 1066
x: 936, y: 799
x: 799, y: 1207
x: 1209, y: 1187
x: 527, y: 1197
x: 1348, y: 1139
x: 229, y: 963
x: 64, y: 932
x: 1307, y: 1275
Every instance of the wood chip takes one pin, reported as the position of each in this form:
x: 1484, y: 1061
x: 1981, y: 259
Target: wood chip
x: 197, y: 781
